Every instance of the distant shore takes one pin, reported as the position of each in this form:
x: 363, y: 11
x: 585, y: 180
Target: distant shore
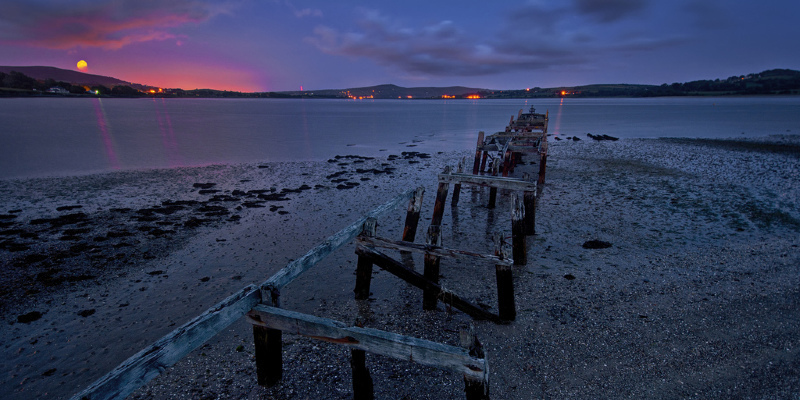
x: 697, y: 297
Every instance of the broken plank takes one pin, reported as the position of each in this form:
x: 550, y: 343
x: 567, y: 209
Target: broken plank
x: 154, y: 359
x: 372, y: 340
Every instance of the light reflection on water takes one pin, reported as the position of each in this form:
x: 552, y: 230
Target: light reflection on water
x: 52, y: 136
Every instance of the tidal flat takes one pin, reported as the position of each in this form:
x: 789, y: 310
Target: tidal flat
x: 697, y: 296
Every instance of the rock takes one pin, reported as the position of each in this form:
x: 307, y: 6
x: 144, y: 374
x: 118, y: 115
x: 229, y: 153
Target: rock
x: 596, y: 244
x: 569, y: 277
x: 602, y: 137
x: 86, y: 313
x: 29, y: 317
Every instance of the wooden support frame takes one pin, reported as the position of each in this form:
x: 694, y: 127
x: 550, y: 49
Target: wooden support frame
x: 375, y: 341
x: 154, y: 359
x: 396, y: 268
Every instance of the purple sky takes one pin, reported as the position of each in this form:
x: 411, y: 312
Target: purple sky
x: 276, y: 45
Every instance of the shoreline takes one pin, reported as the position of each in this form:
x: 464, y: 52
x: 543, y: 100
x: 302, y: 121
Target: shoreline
x: 696, y: 252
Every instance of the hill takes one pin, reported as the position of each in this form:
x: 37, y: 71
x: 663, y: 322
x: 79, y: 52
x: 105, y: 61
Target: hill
x: 65, y: 75
x: 390, y: 92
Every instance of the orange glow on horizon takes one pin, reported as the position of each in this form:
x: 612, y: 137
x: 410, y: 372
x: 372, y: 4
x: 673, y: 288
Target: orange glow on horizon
x: 473, y: 96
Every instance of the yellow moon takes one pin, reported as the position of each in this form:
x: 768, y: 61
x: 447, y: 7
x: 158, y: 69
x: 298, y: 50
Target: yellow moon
x: 82, y: 65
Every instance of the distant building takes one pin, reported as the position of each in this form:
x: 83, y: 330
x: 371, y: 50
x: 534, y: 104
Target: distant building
x: 58, y: 90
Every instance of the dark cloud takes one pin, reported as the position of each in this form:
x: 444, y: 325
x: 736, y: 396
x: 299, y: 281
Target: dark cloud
x: 533, y: 37
x: 107, y: 24
x: 609, y: 10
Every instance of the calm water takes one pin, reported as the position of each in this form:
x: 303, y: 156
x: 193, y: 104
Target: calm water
x: 62, y: 136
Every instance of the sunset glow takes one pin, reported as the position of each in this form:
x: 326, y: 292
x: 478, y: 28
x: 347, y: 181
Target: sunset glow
x: 278, y: 46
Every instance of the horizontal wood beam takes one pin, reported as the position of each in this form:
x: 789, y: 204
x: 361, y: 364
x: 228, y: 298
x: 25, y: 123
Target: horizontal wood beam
x: 430, y: 249
x: 493, y: 181
x: 154, y: 359
x: 337, y: 240
x: 372, y: 340
x: 415, y: 278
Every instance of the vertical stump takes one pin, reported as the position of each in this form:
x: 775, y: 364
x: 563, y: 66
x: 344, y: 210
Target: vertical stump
x: 506, y: 305
x: 542, y: 168
x: 362, y: 381
x: 493, y: 190
x: 478, y: 152
x: 473, y: 388
x: 518, y: 238
x: 412, y: 216
x: 430, y: 296
x: 268, y: 345
x: 441, y: 197
x: 457, y: 186
x: 529, y: 200
x: 364, y: 267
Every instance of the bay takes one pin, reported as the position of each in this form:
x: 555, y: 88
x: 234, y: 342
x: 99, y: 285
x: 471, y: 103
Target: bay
x: 68, y: 136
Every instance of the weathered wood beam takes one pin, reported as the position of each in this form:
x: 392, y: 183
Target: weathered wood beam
x: 373, y: 341
x: 322, y: 250
x: 441, y: 197
x: 488, y: 181
x: 433, y: 250
x: 154, y: 359
x: 398, y: 269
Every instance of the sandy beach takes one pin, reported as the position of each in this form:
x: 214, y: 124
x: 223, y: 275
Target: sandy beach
x: 697, y: 297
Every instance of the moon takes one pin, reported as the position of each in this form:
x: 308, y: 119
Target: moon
x: 82, y: 65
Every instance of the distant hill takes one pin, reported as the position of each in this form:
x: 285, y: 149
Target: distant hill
x: 770, y: 82
x: 390, y: 92
x: 65, y: 75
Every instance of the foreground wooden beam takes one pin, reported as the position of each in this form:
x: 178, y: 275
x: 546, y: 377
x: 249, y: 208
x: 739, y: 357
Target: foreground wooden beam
x: 373, y: 341
x: 152, y: 360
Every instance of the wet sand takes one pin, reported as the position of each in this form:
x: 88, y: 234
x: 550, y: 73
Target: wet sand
x: 697, y: 296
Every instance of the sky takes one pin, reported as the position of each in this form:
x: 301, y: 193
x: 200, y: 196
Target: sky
x: 284, y: 45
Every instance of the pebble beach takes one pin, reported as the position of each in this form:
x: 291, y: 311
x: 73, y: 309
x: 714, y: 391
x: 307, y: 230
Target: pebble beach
x: 696, y: 295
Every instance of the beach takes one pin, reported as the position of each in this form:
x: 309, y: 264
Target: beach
x: 696, y: 297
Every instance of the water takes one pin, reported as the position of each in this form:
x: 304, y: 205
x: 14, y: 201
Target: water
x: 67, y: 136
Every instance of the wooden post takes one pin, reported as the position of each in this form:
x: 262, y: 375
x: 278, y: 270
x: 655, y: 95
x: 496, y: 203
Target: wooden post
x: 542, y: 167
x: 518, y: 242
x: 364, y: 267
x: 412, y: 216
x: 441, y: 197
x: 478, y: 152
x: 474, y: 389
x: 493, y: 190
x: 483, y: 161
x: 529, y: 206
x: 457, y: 186
x: 268, y: 345
x: 507, y: 162
x: 431, y: 272
x: 362, y: 381
x: 507, y: 309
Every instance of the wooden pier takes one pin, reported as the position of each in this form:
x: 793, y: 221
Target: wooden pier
x: 261, y: 304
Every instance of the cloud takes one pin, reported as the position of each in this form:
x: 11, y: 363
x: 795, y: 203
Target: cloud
x: 534, y: 37
x: 105, y: 24
x: 609, y: 10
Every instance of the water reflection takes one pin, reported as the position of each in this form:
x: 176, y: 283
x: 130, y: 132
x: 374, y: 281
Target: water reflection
x: 557, y: 125
x: 168, y: 138
x: 105, y: 134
